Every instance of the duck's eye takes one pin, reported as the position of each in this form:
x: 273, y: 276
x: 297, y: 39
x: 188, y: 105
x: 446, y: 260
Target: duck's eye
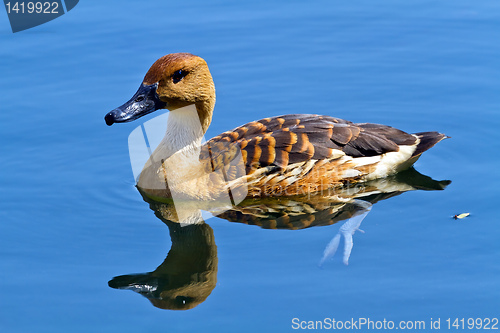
x: 178, y: 75
x: 182, y: 300
x: 139, y: 99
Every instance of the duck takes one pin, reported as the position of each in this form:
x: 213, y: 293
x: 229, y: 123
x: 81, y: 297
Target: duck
x: 279, y: 156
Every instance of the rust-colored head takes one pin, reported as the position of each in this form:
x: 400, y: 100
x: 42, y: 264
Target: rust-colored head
x: 183, y: 79
x: 173, y: 81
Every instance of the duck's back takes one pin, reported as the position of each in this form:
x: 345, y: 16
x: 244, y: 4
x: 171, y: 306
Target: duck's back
x: 297, y: 154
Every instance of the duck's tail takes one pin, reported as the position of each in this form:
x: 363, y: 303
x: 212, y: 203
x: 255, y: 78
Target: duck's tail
x: 427, y: 140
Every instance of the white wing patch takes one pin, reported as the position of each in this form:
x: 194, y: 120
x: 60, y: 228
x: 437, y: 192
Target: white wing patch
x: 391, y: 163
x: 385, y: 164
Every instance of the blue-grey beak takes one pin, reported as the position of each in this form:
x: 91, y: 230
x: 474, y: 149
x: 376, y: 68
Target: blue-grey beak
x: 144, y: 101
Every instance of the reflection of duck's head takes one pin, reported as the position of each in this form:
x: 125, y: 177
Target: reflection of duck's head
x: 173, y: 81
x: 186, y: 277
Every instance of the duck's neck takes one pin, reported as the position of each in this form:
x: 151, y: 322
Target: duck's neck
x: 175, y: 163
x: 184, y: 131
x: 205, y: 110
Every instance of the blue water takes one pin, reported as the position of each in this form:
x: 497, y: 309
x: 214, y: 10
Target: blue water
x: 72, y: 218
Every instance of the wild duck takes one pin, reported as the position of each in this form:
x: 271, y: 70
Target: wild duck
x: 286, y: 155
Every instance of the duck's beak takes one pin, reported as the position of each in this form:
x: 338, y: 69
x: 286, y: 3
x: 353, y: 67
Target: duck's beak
x: 144, y: 101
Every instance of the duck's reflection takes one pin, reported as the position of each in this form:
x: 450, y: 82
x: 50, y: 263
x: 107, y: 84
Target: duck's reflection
x: 189, y: 273
x: 186, y: 277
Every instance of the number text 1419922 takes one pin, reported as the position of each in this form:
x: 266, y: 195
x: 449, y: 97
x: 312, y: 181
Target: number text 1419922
x: 472, y: 323
x: 30, y: 7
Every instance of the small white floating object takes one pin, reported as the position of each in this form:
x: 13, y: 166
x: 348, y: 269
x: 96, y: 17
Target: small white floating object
x: 461, y: 216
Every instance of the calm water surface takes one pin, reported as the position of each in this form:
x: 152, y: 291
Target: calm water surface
x: 72, y: 219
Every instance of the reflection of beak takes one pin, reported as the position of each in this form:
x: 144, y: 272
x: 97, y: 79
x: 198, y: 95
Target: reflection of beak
x: 144, y: 101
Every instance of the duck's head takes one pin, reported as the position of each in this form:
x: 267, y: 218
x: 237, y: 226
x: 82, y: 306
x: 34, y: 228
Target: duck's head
x: 173, y: 81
